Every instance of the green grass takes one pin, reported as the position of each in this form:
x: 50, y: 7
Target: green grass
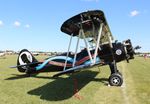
x: 15, y: 88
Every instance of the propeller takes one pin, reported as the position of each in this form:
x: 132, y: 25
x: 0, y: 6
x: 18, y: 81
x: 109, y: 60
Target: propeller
x: 129, y: 51
x: 137, y: 47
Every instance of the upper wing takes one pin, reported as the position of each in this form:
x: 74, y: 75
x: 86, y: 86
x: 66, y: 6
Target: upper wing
x: 90, y: 22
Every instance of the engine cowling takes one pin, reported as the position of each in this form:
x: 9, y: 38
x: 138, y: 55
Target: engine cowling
x: 120, y: 51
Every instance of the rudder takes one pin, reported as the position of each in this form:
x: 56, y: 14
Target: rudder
x: 25, y: 57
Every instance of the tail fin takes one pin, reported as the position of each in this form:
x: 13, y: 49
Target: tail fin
x: 25, y: 57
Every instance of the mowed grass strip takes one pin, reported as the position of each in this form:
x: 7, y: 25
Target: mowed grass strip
x: 138, y: 80
x: 92, y: 85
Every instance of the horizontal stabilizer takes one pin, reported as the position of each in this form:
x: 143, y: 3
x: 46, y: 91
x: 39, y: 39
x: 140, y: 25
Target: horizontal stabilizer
x: 29, y: 64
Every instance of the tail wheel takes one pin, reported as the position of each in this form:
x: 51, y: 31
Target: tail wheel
x: 115, y: 79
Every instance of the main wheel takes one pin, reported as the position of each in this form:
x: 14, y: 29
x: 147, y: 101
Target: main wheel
x: 117, y: 73
x: 115, y: 79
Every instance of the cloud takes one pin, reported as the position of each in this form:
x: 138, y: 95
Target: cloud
x: 134, y: 13
x: 17, y: 24
x: 27, y: 26
x: 1, y: 23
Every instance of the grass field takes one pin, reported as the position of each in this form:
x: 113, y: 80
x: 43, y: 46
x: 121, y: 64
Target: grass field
x: 92, y: 85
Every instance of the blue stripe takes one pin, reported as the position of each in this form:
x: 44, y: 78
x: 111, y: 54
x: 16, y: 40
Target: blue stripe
x: 53, y: 58
x: 89, y: 61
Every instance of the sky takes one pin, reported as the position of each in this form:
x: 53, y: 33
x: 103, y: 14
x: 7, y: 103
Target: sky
x: 35, y: 24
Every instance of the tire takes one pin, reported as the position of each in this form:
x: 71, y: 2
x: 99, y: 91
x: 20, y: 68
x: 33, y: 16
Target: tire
x: 115, y: 79
x: 119, y: 73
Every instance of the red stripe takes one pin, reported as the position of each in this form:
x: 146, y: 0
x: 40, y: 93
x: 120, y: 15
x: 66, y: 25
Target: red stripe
x: 59, y: 64
x: 69, y: 65
x: 83, y: 60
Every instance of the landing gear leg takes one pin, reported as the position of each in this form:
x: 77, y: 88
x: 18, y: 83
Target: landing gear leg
x: 113, y: 67
x: 115, y: 78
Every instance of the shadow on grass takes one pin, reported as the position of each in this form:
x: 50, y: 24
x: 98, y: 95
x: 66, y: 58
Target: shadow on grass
x: 2, y: 57
x: 63, y: 88
x: 22, y: 76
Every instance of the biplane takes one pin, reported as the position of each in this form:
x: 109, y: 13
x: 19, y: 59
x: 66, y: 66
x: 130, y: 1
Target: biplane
x: 100, y: 48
